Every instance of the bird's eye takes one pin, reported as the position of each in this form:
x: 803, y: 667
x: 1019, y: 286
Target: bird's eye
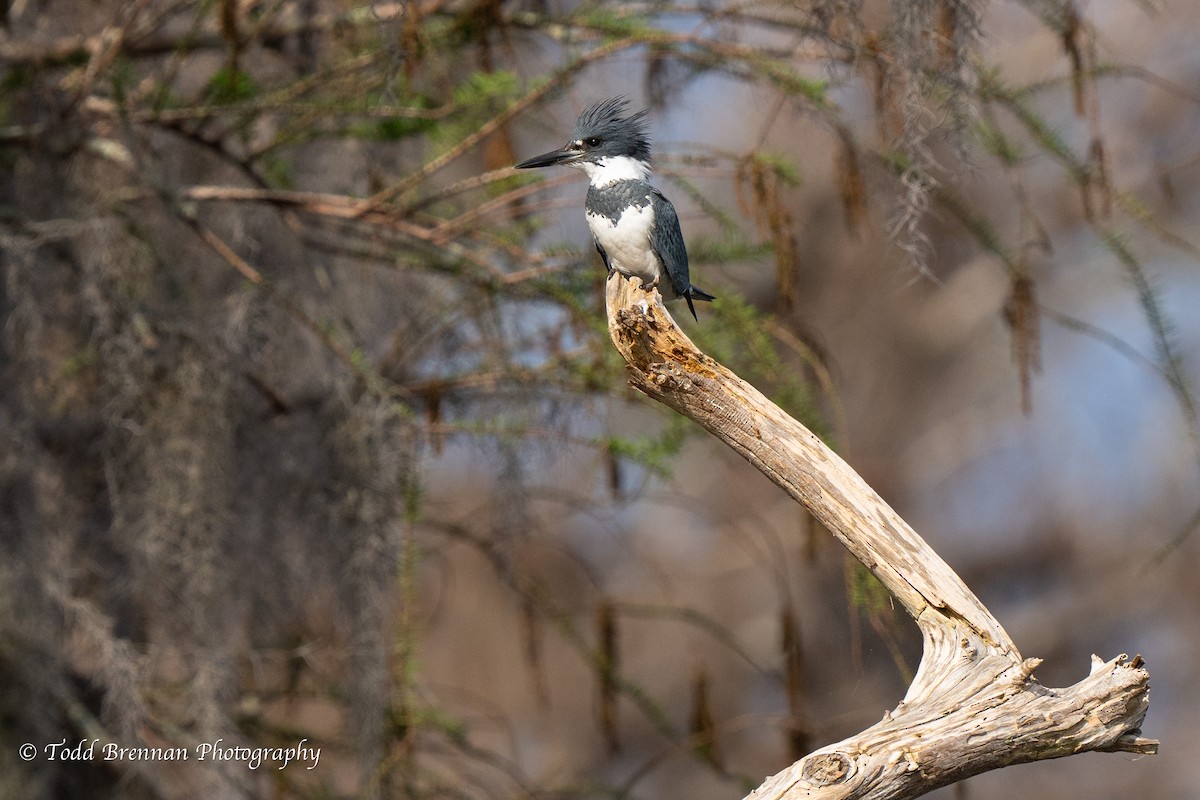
x: 592, y: 141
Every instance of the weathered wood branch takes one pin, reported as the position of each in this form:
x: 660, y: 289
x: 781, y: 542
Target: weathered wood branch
x: 974, y: 704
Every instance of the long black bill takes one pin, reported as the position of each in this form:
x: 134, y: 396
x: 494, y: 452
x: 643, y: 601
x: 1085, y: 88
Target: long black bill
x: 547, y: 159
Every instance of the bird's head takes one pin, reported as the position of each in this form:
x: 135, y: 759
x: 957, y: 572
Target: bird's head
x: 602, y: 133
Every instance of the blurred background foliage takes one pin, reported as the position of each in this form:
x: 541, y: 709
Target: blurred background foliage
x: 311, y: 428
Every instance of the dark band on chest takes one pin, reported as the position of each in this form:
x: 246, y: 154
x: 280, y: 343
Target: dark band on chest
x: 611, y: 201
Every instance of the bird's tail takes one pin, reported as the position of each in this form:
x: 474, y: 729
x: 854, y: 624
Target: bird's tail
x: 695, y: 293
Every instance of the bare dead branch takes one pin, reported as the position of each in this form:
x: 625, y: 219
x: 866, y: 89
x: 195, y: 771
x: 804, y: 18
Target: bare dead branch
x: 974, y: 704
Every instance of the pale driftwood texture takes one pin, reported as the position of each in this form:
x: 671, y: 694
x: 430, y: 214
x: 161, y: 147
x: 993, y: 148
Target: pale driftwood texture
x: 974, y: 704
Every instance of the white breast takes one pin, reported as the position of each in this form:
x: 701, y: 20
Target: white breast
x: 627, y: 242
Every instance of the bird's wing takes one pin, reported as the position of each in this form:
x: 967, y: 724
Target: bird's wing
x: 603, y: 254
x: 667, y: 241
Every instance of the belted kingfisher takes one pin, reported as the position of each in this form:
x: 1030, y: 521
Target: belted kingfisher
x: 634, y: 227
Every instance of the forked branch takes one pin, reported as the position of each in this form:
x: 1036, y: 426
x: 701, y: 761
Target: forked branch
x: 974, y: 704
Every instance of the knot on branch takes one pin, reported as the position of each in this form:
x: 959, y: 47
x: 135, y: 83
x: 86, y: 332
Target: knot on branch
x: 825, y: 769
x: 669, y: 377
x: 1024, y: 671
